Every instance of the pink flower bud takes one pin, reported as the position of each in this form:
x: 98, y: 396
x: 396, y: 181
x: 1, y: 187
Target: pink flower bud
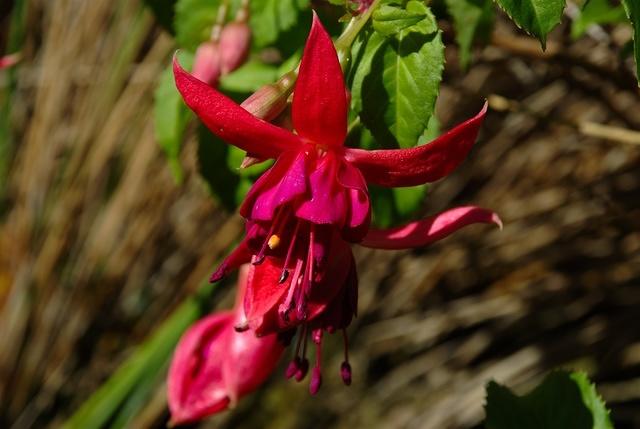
x: 9, y: 60
x: 267, y: 102
x: 206, y: 66
x: 214, y: 365
x: 235, y: 40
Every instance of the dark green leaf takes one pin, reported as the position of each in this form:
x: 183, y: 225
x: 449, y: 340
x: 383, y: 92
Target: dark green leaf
x: 563, y: 400
x: 396, y: 80
x: 171, y: 116
x: 471, y: 19
x: 633, y: 12
x: 596, y: 12
x: 537, y: 17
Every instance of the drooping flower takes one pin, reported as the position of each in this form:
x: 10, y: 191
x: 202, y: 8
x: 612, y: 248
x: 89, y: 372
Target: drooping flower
x: 214, y: 365
x: 306, y: 209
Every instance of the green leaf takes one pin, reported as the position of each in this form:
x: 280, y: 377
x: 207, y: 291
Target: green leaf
x: 147, y: 361
x: 471, y: 19
x: 537, y: 17
x: 563, y: 400
x: 249, y: 77
x: 596, y: 12
x: 632, y: 7
x: 219, y: 162
x: 390, y: 20
x: 171, y: 116
x: 395, y: 82
x: 193, y: 21
x: 270, y: 19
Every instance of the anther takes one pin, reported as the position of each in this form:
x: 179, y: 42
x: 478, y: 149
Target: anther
x: 274, y: 241
x: 242, y: 326
x: 283, y: 276
x: 345, y: 373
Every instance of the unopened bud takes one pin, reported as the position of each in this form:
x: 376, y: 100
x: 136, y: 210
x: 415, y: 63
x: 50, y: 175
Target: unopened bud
x: 9, y: 60
x: 235, y: 40
x: 267, y: 102
x: 206, y: 66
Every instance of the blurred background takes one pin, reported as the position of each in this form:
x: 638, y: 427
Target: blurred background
x: 99, y: 245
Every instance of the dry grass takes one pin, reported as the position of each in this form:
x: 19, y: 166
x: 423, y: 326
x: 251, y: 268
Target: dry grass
x: 98, y: 244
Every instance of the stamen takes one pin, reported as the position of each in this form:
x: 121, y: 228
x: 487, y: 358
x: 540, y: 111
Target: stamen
x: 285, y: 271
x: 287, y: 305
x: 242, y: 326
x: 273, y: 240
x: 304, y: 362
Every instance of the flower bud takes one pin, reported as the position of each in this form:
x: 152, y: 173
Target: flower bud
x: 206, y: 66
x: 270, y: 100
x: 9, y: 60
x: 235, y: 40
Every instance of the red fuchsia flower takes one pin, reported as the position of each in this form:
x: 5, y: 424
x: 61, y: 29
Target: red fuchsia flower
x: 306, y: 209
x: 214, y: 365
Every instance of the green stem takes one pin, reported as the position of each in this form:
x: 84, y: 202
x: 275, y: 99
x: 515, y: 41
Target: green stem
x: 346, y: 39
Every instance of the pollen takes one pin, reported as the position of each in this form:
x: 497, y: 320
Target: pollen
x: 274, y: 241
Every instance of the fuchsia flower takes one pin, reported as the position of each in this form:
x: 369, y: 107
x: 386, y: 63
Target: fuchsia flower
x: 304, y: 212
x: 214, y: 365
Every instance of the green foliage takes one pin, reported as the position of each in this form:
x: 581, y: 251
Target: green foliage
x: 394, y: 83
x: 124, y: 394
x: 271, y: 19
x: 597, y: 12
x: 632, y: 7
x: 537, y: 17
x: 396, y: 80
x: 193, y: 21
x: 219, y: 166
x: 472, y: 19
x: 171, y: 116
x: 563, y: 400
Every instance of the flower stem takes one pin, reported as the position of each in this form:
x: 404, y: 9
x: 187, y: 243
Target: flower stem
x: 346, y: 39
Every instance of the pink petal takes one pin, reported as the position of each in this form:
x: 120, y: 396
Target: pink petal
x: 250, y: 361
x: 279, y: 185
x: 429, y: 230
x: 231, y: 122
x: 319, y: 108
x: 327, y: 202
x: 195, y: 385
x: 421, y: 164
x: 264, y: 293
x: 358, y: 205
x: 240, y: 255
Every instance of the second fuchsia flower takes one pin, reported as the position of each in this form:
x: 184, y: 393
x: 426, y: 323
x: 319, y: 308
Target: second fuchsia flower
x: 303, y: 213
